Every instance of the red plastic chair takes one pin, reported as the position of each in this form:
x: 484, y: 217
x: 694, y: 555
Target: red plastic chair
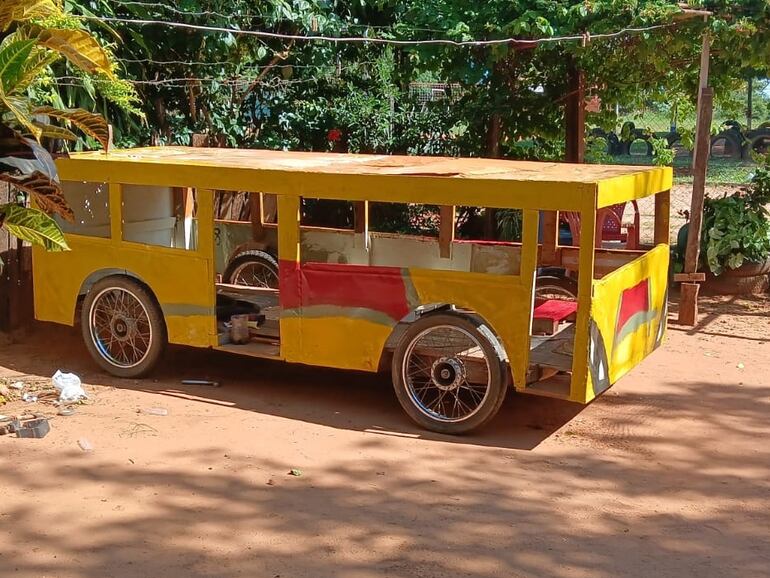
x: 610, y: 226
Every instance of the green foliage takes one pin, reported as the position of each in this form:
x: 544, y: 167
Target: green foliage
x: 662, y: 153
x: 596, y: 151
x: 245, y: 91
x: 509, y: 224
x: 34, y: 226
x: 34, y: 35
x: 737, y: 226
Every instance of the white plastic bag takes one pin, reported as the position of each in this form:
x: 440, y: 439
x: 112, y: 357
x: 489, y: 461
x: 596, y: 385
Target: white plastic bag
x: 68, y: 384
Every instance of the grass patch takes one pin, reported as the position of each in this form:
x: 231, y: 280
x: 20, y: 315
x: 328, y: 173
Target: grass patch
x: 720, y: 171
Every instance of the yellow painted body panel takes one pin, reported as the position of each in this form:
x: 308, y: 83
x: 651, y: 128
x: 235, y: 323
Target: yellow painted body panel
x: 354, y: 343
x: 626, y: 188
x: 624, y: 351
x: 181, y: 280
x: 340, y: 342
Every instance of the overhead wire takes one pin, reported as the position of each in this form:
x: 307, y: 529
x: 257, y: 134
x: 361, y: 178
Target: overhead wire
x: 185, y: 81
x: 380, y: 40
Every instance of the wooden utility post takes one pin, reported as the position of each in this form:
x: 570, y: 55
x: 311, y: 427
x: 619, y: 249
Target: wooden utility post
x: 690, y: 279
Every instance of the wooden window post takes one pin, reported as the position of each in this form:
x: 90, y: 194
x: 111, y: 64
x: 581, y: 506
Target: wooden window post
x: 446, y: 231
x: 256, y: 216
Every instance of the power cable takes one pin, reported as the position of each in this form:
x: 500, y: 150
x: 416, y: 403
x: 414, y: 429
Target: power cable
x: 379, y: 40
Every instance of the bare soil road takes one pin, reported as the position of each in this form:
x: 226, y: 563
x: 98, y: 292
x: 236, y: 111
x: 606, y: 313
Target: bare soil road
x: 666, y: 475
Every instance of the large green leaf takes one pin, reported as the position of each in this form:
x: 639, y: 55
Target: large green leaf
x: 52, y: 131
x: 13, y: 60
x: 21, y: 10
x: 79, y: 47
x: 37, y: 61
x: 90, y: 123
x: 34, y: 226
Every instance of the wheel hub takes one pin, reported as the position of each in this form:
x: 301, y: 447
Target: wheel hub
x: 447, y: 373
x: 121, y: 327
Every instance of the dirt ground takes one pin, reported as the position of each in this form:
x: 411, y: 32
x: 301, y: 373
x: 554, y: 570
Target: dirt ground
x: 666, y: 475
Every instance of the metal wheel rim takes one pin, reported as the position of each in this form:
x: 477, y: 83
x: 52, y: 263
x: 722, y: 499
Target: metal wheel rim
x: 430, y: 397
x: 255, y: 274
x: 120, y: 327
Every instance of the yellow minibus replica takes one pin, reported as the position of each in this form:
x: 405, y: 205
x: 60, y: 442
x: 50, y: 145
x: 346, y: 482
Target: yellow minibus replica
x: 458, y: 321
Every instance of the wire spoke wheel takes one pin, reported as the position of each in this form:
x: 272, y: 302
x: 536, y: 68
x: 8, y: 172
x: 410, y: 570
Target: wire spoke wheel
x: 549, y: 288
x: 255, y: 274
x: 553, y: 292
x: 253, y: 269
x: 447, y: 373
x: 120, y: 327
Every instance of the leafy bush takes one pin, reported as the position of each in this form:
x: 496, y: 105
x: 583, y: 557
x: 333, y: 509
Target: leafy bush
x: 596, y: 151
x: 737, y: 226
x: 662, y: 152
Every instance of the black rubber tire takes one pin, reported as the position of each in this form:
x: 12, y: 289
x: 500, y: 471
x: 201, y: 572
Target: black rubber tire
x: 733, y: 140
x: 566, y: 284
x: 155, y: 317
x: 260, y: 257
x: 499, y: 375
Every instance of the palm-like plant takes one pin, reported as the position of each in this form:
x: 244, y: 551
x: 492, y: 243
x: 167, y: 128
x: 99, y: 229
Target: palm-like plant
x: 33, y: 35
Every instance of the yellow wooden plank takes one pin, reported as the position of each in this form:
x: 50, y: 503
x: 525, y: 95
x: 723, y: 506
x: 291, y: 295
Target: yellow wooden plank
x: 579, y: 388
x: 625, y: 349
x: 489, y: 182
x: 636, y: 185
x: 289, y: 255
x: 205, y: 218
x: 116, y: 212
x: 352, y: 187
x: 318, y: 163
x: 519, y: 359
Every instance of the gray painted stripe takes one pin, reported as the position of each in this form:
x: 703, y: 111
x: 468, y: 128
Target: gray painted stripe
x: 412, y: 298
x: 634, y: 322
x: 320, y: 311
x: 186, y: 310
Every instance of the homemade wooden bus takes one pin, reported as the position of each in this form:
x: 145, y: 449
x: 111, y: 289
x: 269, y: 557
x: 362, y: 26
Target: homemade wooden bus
x: 457, y: 321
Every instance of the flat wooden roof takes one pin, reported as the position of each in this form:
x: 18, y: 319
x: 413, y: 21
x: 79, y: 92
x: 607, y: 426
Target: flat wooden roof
x: 486, y: 182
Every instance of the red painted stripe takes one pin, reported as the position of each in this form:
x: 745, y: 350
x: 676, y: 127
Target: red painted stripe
x: 633, y: 300
x: 288, y: 275
x: 377, y: 288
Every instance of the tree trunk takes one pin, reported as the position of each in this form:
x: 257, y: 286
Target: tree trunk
x: 493, y: 151
x: 494, y: 129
